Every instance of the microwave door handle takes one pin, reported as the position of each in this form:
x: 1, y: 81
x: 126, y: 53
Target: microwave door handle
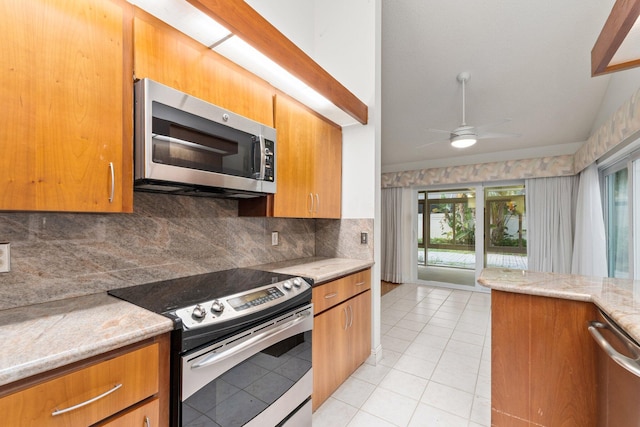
x: 261, y: 161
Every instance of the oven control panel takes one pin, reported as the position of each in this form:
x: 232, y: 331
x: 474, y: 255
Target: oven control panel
x: 237, y: 305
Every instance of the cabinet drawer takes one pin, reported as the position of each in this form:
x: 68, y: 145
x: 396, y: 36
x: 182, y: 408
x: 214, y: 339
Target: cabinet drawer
x: 334, y: 292
x: 147, y: 415
x: 96, y: 392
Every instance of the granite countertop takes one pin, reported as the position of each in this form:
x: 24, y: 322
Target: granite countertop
x: 41, y: 337
x: 317, y: 268
x: 618, y: 298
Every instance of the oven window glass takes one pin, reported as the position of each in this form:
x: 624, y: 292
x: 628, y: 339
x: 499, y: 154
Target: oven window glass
x: 186, y: 140
x: 244, y: 391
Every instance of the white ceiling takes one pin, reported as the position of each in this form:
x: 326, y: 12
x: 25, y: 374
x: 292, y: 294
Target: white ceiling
x: 529, y: 61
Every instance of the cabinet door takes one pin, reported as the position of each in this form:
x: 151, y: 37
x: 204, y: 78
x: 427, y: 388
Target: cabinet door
x: 328, y: 169
x: 360, y: 329
x: 65, y: 90
x: 331, y: 363
x: 294, y: 167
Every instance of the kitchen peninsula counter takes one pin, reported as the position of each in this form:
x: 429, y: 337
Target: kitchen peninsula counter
x: 41, y: 337
x: 618, y: 298
x: 317, y: 268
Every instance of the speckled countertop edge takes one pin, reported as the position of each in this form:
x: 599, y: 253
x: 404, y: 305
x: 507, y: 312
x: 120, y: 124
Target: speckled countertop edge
x: 618, y: 298
x: 319, y: 269
x: 41, y: 337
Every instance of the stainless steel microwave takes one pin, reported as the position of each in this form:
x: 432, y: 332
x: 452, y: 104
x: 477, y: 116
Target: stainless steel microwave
x: 185, y: 145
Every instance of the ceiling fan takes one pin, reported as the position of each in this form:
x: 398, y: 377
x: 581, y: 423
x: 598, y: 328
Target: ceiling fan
x: 465, y: 135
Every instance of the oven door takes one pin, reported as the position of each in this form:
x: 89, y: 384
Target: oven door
x: 259, y: 377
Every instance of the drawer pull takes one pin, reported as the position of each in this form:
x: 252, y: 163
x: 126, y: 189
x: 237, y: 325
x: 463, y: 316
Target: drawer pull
x: 147, y: 422
x: 360, y: 283
x: 334, y: 294
x: 85, y: 403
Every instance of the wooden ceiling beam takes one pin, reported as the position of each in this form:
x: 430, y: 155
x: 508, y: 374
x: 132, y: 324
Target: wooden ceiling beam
x: 243, y: 21
x: 622, y: 17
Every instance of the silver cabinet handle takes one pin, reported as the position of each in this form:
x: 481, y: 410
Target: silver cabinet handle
x: 318, y: 202
x: 350, y: 316
x: 147, y: 422
x: 631, y: 365
x: 86, y: 402
x: 311, y: 204
x: 113, y: 182
x: 360, y: 283
x: 331, y: 295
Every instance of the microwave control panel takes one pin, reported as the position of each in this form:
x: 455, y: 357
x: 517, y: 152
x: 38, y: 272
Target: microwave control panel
x: 269, y: 160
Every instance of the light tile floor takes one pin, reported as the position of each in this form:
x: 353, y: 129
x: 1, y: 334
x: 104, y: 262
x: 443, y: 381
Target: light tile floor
x: 435, y: 370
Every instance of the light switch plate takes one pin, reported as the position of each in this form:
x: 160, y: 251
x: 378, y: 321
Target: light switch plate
x: 364, y: 238
x: 5, y: 257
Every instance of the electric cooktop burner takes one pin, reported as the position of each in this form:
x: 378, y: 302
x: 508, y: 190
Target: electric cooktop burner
x: 215, y: 298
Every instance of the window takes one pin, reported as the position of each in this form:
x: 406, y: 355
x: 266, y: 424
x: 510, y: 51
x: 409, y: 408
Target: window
x: 620, y: 184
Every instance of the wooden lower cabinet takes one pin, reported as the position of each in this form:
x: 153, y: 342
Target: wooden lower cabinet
x: 543, y: 362
x: 341, y: 343
x: 122, y: 390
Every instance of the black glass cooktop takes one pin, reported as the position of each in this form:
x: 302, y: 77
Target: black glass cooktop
x: 164, y: 296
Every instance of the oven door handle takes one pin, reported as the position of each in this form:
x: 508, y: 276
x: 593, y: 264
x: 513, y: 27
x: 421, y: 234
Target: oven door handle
x: 216, y: 357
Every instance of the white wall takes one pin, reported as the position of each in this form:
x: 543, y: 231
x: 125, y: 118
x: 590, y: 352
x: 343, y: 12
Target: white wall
x: 622, y: 85
x: 293, y: 18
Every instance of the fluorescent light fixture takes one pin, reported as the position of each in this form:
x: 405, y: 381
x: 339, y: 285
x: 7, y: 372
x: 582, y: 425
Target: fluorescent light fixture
x: 185, y: 18
x: 189, y: 20
x: 463, y: 141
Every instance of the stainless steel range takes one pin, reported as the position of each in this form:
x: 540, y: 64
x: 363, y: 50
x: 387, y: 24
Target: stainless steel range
x: 241, y: 346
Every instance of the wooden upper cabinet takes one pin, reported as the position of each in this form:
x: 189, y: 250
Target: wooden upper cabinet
x: 328, y: 170
x: 66, y: 132
x: 309, y: 163
x: 167, y: 56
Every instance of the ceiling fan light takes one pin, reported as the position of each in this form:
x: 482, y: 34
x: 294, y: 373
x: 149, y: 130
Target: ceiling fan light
x: 463, y: 141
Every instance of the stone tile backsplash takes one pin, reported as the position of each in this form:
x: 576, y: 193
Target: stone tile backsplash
x: 62, y: 255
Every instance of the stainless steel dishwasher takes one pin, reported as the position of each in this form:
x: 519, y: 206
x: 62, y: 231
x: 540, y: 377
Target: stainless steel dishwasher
x: 618, y: 374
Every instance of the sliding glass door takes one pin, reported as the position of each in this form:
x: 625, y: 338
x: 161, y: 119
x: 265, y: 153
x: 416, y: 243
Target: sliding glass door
x: 505, y: 227
x: 617, y: 221
x: 446, y: 236
x: 456, y: 228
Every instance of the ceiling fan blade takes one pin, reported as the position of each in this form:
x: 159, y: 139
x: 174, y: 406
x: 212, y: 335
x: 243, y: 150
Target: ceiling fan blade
x: 438, y: 130
x: 431, y: 143
x: 494, y: 135
x: 492, y: 125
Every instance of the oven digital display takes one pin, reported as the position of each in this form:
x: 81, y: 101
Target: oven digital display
x: 255, y: 298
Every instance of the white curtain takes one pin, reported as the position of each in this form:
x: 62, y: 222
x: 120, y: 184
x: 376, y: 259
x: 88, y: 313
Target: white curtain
x: 395, y: 242
x: 549, y: 205
x: 590, y: 244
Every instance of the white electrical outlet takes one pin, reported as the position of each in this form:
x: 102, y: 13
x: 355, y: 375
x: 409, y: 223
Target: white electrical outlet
x: 5, y: 257
x: 274, y: 238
